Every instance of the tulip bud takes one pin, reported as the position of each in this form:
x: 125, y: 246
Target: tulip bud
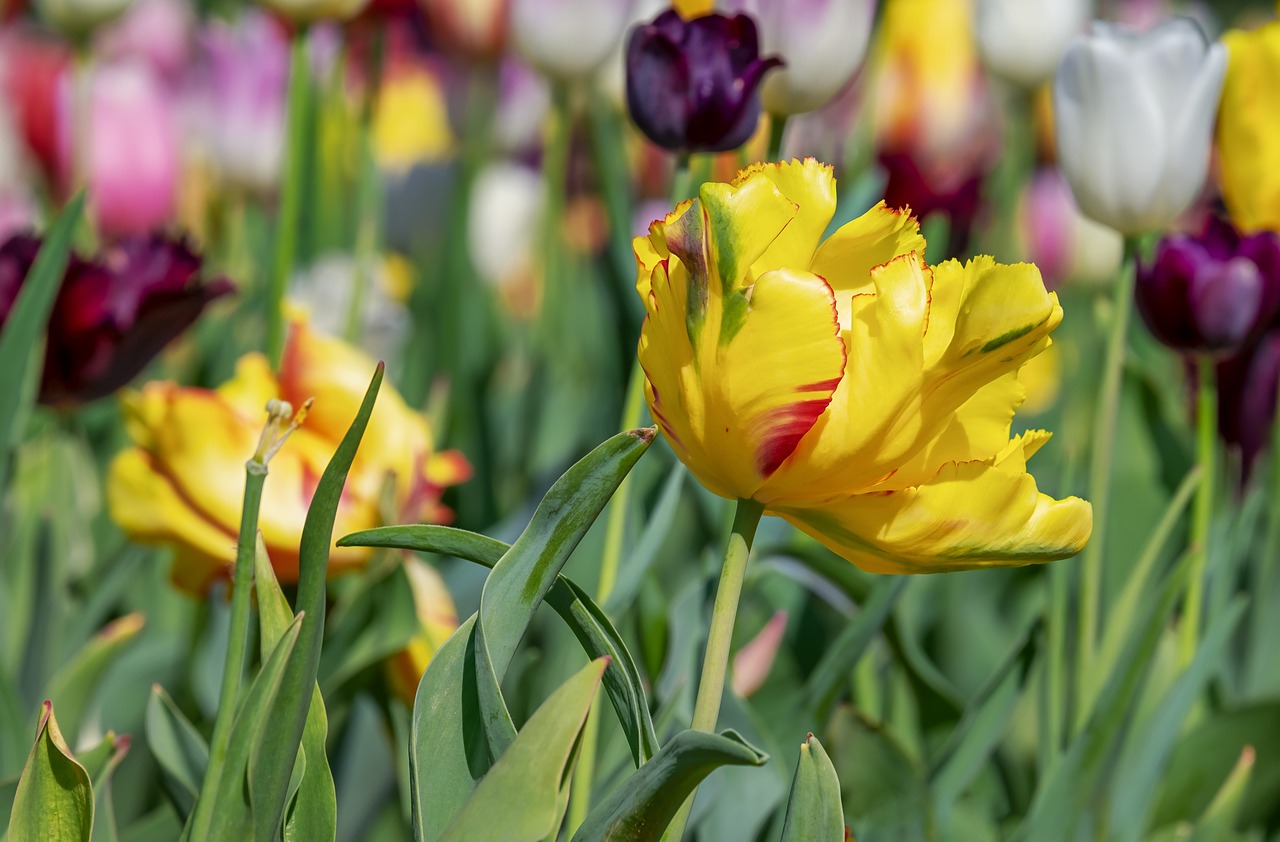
x: 1212, y: 293
x: 822, y: 44
x: 567, y: 39
x: 1023, y: 40
x: 691, y: 84
x: 1135, y: 117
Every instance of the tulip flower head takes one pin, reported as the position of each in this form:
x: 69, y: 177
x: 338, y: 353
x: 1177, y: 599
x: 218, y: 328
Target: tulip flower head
x: 181, y: 482
x: 1023, y: 40
x: 567, y: 39
x: 1249, y: 128
x: 1134, y: 120
x: 1248, y: 382
x: 822, y: 44
x: 845, y: 385
x: 112, y: 315
x: 1212, y: 293
x: 692, y: 85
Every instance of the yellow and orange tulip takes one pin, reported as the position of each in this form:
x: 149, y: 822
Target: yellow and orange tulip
x: 437, y: 621
x: 1249, y: 128
x: 844, y: 384
x: 182, y: 482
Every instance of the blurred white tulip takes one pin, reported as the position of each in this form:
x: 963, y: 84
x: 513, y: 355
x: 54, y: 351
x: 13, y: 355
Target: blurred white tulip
x: 568, y: 39
x: 504, y: 221
x: 1134, y: 120
x: 822, y: 42
x: 1023, y: 40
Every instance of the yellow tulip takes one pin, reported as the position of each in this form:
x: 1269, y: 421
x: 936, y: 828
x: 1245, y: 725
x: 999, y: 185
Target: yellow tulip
x: 845, y: 385
x: 1249, y: 128
x: 690, y: 9
x: 182, y: 482
x: 437, y: 620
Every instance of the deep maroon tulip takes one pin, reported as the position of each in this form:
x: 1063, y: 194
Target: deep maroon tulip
x: 113, y: 315
x: 1212, y: 293
x: 692, y: 85
x: 955, y: 192
x: 1247, y: 388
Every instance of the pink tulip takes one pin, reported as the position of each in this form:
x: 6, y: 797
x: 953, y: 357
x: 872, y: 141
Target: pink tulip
x: 129, y: 159
x: 158, y: 32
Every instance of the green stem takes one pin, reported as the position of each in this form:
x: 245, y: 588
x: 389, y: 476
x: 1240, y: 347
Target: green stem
x: 777, y: 130
x: 368, y: 194
x: 1202, y: 515
x: 1260, y: 675
x: 715, y: 663
x: 237, y: 649
x: 290, y: 193
x: 1104, y: 434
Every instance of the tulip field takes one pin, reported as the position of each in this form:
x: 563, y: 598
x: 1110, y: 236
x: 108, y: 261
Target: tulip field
x: 643, y: 421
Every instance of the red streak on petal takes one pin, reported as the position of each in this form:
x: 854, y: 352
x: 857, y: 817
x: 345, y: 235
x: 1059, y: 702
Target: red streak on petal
x: 821, y: 385
x: 785, y: 426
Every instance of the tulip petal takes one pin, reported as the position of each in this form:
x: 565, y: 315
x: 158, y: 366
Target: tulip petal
x: 811, y: 187
x: 873, y: 239
x: 735, y: 411
x: 971, y: 515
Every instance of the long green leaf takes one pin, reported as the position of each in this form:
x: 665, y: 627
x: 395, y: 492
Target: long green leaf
x: 984, y: 722
x: 21, y: 332
x: 54, y: 799
x: 1219, y: 820
x: 73, y: 686
x: 588, y: 622
x: 1065, y: 795
x: 520, y: 799
x: 315, y: 816
x: 832, y: 672
x: 273, y: 759
x: 814, y: 810
x: 520, y: 580
x: 640, y: 807
x: 179, y: 749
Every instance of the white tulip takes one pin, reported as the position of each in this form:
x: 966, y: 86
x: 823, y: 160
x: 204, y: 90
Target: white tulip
x: 1134, y: 117
x: 568, y: 39
x: 1023, y: 40
x: 822, y: 42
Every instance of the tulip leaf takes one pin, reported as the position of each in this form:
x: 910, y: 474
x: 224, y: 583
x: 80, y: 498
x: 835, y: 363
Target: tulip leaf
x: 588, y: 622
x: 1220, y: 818
x: 1146, y: 750
x: 984, y: 722
x: 100, y: 762
x: 522, y: 797
x: 1069, y: 785
x: 638, y: 561
x: 273, y: 759
x: 641, y: 806
x: 882, y: 785
x: 20, y: 334
x: 814, y: 810
x: 378, y: 621
x: 73, y: 685
x: 316, y: 815
x: 179, y: 749
x: 521, y: 579
x: 232, y: 814
x: 54, y: 799
x: 451, y: 746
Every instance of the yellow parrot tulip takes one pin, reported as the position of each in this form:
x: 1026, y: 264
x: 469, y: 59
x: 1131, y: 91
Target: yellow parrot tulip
x: 844, y: 384
x: 182, y: 482
x: 1249, y: 128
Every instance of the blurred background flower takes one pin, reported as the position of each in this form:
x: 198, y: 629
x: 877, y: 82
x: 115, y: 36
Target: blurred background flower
x: 567, y: 39
x: 1023, y: 40
x: 113, y: 314
x: 1249, y: 128
x: 437, y: 620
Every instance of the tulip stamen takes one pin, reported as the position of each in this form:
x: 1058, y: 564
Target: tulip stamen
x: 281, y: 422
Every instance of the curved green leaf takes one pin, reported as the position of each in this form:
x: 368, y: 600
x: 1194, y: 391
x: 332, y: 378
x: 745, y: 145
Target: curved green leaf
x: 522, y: 797
x: 54, y: 799
x: 814, y: 810
x: 73, y: 686
x: 640, y: 808
x: 588, y: 622
x: 179, y: 749
x: 273, y: 759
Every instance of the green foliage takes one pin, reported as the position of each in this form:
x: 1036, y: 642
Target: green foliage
x: 54, y: 797
x: 814, y: 811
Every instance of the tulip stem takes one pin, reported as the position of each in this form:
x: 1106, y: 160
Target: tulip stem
x: 777, y: 130
x: 237, y: 647
x: 290, y: 193
x: 1202, y: 515
x: 1104, y: 434
x: 368, y: 193
x: 715, y: 663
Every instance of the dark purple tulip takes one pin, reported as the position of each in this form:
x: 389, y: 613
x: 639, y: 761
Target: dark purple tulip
x: 1247, y: 389
x: 113, y: 315
x: 692, y: 85
x: 956, y: 193
x: 1213, y: 293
